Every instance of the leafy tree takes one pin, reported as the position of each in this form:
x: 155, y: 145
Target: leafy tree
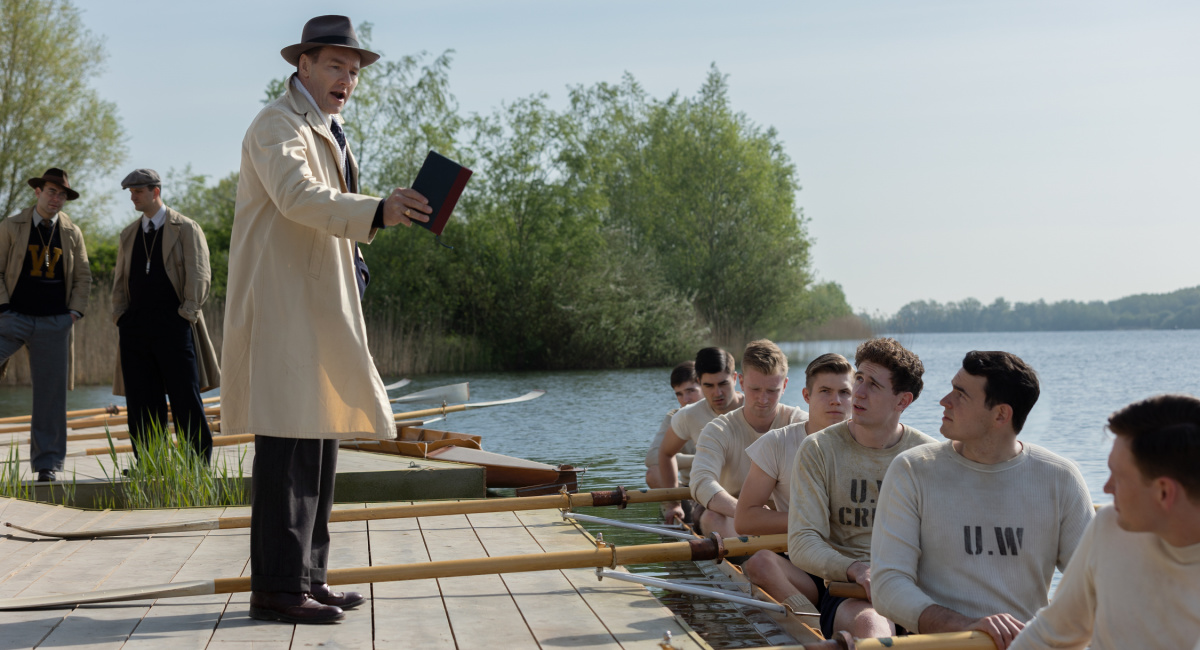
x: 49, y: 116
x: 713, y: 195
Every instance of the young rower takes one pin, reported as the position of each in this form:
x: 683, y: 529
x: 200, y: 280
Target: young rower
x: 836, y: 479
x: 687, y: 391
x: 970, y: 530
x: 716, y: 373
x: 827, y: 388
x: 721, y: 464
x: 1133, y: 579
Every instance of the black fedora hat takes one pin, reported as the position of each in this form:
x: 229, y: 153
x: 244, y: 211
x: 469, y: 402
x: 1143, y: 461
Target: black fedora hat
x: 56, y: 176
x: 327, y: 30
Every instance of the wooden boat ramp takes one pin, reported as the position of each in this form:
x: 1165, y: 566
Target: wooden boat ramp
x: 541, y: 609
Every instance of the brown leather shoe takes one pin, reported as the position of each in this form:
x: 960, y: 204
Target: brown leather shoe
x: 345, y: 600
x: 291, y: 608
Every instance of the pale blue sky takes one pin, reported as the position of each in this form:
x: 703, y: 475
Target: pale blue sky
x: 1025, y: 149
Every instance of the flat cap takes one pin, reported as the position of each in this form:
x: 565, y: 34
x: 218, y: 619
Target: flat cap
x: 141, y: 178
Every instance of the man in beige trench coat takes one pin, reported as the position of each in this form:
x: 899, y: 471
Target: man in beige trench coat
x: 297, y: 371
x: 160, y: 282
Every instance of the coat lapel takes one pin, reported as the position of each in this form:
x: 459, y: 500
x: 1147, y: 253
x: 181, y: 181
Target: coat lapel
x: 170, y: 236
x: 301, y: 105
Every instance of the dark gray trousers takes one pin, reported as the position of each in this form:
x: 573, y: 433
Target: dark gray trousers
x: 291, y: 498
x: 49, y: 352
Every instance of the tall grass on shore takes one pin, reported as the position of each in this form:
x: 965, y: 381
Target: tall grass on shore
x: 12, y: 477
x: 170, y: 474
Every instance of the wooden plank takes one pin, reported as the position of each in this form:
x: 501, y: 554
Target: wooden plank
x: 410, y: 613
x: 481, y: 611
x: 631, y: 614
x: 553, y: 609
x: 119, y: 562
x: 348, y: 547
x: 190, y: 622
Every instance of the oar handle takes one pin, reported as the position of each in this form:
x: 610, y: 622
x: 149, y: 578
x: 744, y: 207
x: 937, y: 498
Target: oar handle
x: 847, y: 590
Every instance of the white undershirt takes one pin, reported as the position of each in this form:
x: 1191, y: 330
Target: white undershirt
x: 158, y: 220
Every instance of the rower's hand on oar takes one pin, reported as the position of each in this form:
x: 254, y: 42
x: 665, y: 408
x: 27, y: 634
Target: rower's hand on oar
x: 672, y: 512
x: 860, y: 572
x: 1003, y: 628
x: 404, y: 206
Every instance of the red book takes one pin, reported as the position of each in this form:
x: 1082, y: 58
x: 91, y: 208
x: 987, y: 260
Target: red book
x: 440, y: 180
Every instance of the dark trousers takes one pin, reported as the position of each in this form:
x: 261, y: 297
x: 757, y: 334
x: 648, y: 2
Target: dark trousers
x: 49, y: 354
x: 158, y: 356
x: 291, y: 498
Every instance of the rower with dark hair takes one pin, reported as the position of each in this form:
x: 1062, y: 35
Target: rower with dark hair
x: 1133, y: 579
x: 835, y: 482
x: 969, y: 531
x: 718, y: 383
x: 687, y: 391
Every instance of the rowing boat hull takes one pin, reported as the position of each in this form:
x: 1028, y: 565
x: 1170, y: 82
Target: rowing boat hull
x: 502, y: 471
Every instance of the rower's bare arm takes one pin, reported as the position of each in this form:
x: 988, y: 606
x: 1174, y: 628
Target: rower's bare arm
x: 724, y: 503
x: 1003, y: 628
x: 753, y: 515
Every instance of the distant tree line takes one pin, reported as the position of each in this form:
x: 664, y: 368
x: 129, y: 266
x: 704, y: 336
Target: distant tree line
x: 1176, y: 310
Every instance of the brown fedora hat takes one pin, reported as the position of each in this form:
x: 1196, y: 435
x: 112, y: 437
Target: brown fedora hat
x: 58, y: 177
x: 327, y: 30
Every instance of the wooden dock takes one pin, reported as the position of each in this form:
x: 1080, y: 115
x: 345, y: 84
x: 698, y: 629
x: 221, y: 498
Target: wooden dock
x: 544, y: 609
x: 361, y: 476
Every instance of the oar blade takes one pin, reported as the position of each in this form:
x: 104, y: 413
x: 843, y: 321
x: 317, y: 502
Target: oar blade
x: 181, y: 527
x: 171, y: 590
x: 531, y: 395
x: 400, y: 384
x: 451, y: 394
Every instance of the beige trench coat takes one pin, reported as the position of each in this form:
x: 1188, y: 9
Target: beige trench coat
x: 294, y: 354
x: 185, y: 259
x: 14, y: 238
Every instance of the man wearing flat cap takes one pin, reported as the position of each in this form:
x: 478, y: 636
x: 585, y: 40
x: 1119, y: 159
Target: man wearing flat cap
x: 298, y: 374
x: 43, y: 291
x: 160, y: 282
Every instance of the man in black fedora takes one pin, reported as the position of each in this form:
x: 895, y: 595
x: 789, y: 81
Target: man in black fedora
x: 160, y: 282
x: 44, y: 283
x: 296, y: 369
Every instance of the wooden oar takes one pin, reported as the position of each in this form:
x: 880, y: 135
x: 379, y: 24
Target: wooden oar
x: 442, y: 410
x: 112, y: 409
x: 847, y: 590
x: 399, y: 384
x: 617, y: 497
x: 940, y: 641
x: 451, y: 393
x: 601, y: 556
x: 217, y: 441
x: 113, y: 416
x: 99, y: 421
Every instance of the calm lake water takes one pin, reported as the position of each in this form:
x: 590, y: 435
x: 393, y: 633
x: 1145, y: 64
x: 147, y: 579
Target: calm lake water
x: 603, y: 420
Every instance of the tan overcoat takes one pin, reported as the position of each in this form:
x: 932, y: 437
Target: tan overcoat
x: 185, y: 259
x: 14, y: 238
x: 294, y: 354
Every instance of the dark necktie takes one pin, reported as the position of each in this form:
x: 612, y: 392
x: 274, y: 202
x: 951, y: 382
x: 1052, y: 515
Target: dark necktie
x: 46, y: 225
x: 150, y: 229
x: 340, y: 136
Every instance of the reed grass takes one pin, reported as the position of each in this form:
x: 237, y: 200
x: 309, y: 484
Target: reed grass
x: 12, y: 477
x: 170, y: 474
